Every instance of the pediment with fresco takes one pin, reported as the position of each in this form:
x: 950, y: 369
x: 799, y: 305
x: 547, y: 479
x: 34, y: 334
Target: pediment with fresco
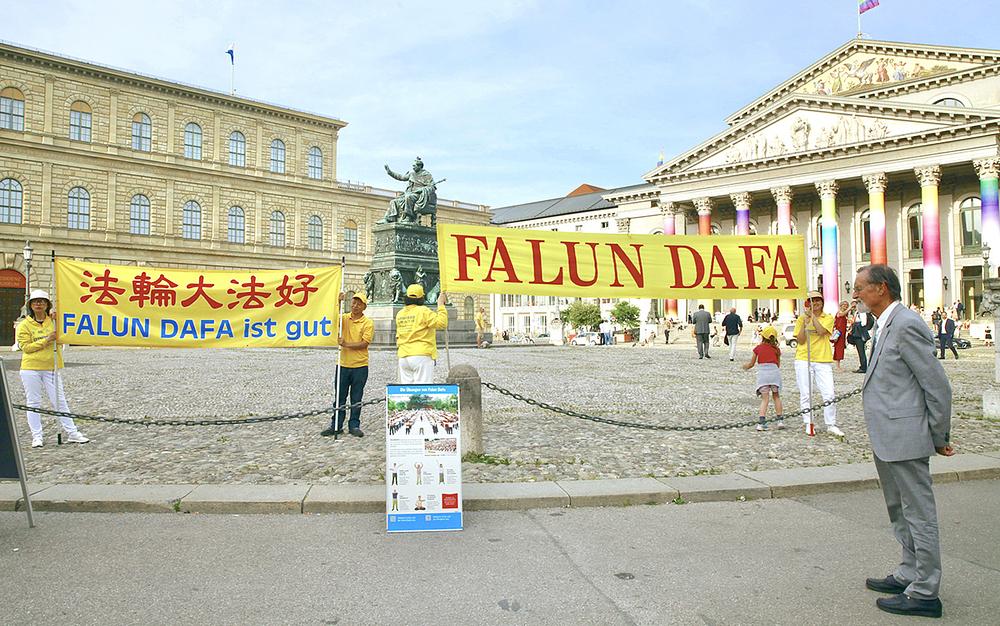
x: 863, y: 70
x: 805, y: 125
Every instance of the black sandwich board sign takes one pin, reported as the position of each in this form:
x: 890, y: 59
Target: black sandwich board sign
x: 11, y: 466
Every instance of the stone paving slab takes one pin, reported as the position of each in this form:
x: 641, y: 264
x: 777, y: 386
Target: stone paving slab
x: 345, y: 499
x: 621, y: 492
x: 717, y: 488
x: 511, y: 496
x: 803, y: 481
x: 995, y: 454
x: 11, y: 497
x: 111, y: 498
x: 245, y: 499
x: 964, y: 467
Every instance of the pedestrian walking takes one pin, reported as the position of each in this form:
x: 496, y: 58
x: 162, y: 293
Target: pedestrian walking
x: 733, y: 325
x: 858, y: 336
x: 702, y: 327
x: 481, y: 326
x: 907, y: 404
x: 946, y: 336
x: 666, y: 331
x: 41, y: 360
x: 767, y: 357
x: 839, y: 335
x: 814, y: 361
x: 416, y: 336
x: 356, y: 333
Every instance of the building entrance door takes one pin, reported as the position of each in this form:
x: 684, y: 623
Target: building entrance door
x: 11, y: 301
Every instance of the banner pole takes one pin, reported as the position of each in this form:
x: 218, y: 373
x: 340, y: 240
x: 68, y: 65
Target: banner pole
x: 447, y: 347
x: 809, y: 374
x: 55, y: 326
x: 340, y: 334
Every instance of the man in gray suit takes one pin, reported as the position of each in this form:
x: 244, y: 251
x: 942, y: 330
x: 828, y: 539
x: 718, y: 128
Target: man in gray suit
x: 702, y: 328
x: 907, y: 403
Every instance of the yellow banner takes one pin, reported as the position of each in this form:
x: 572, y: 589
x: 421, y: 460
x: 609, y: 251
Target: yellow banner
x: 116, y: 305
x: 536, y: 262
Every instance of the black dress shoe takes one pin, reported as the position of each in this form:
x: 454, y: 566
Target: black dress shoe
x: 905, y: 605
x: 356, y: 432
x: 330, y: 432
x: 889, y: 584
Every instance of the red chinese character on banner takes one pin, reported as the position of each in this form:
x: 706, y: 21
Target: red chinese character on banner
x: 199, y: 292
x: 159, y: 292
x: 106, y: 293
x: 286, y: 291
x: 253, y: 299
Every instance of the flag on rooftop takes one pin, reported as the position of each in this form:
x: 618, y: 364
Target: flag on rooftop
x: 866, y: 5
x: 660, y: 162
x: 232, y: 52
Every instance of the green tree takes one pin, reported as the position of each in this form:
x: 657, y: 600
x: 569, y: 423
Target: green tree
x: 626, y: 315
x: 582, y: 315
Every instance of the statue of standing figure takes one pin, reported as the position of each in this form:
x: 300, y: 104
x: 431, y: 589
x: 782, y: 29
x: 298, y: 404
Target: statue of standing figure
x: 420, y: 197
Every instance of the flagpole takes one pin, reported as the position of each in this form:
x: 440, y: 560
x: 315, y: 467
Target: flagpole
x: 232, y: 72
x: 859, y: 21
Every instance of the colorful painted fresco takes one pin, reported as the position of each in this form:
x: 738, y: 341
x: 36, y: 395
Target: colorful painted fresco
x: 862, y: 71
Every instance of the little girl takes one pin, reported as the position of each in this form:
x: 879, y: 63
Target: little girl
x: 767, y: 357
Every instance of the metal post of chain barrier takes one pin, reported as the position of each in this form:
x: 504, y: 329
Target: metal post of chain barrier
x: 470, y: 397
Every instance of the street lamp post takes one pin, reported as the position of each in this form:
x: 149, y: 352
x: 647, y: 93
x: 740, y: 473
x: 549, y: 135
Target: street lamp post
x: 28, y: 250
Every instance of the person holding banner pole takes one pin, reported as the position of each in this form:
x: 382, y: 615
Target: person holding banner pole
x: 416, y: 336
x: 356, y: 333
x: 40, y: 365
x: 814, y: 362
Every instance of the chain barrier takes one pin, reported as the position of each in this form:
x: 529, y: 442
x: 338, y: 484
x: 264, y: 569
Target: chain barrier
x: 614, y: 422
x: 201, y: 422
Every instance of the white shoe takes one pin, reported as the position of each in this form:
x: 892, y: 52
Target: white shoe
x: 36, y: 442
x: 836, y: 432
x: 77, y: 437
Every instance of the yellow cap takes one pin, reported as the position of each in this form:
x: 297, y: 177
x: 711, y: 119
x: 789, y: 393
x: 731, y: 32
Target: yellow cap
x: 769, y: 332
x: 815, y: 294
x: 415, y: 290
x: 361, y: 296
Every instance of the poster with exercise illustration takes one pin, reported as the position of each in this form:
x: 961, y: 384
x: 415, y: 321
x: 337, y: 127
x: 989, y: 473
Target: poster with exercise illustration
x: 423, y: 458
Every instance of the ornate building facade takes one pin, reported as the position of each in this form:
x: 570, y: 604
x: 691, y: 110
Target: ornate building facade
x: 111, y: 166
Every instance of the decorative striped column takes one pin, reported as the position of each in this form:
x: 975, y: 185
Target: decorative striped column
x: 668, y: 211
x: 988, y: 169
x: 783, y: 200
x: 875, y: 183
x: 831, y: 253
x: 931, y: 230
x: 741, y: 201
x: 704, y: 208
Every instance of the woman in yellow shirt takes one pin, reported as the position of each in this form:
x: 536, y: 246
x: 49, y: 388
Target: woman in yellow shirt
x: 39, y: 364
x: 416, y: 336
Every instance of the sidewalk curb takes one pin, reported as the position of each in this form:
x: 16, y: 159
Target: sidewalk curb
x: 369, y: 498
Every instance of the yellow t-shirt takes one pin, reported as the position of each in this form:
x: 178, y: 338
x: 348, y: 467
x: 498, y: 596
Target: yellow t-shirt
x: 416, y: 330
x: 480, y: 322
x: 36, y: 352
x: 820, y: 348
x: 353, y: 331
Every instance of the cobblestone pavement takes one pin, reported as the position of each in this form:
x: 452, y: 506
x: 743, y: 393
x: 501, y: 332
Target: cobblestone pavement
x: 658, y: 384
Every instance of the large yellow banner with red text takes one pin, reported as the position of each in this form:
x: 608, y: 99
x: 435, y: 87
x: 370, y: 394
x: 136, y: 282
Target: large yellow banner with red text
x: 504, y: 260
x: 115, y: 305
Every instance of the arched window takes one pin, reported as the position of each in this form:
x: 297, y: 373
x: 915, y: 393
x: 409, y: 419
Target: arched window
x: 350, y: 236
x: 237, y: 149
x: 949, y: 102
x: 971, y: 211
x: 11, y: 108
x: 278, y: 156
x: 138, y: 223
x: 914, y: 229
x: 278, y: 229
x: 237, y: 225
x: 142, y: 132
x: 469, y: 308
x: 192, y: 141
x: 191, y: 220
x: 78, y: 214
x: 315, y: 163
x: 11, y: 199
x: 866, y: 235
x: 315, y: 233
x: 80, y: 121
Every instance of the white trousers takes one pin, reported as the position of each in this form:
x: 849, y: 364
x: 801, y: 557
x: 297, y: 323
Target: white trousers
x: 38, y: 383
x: 732, y: 346
x: 822, y: 374
x: 416, y: 370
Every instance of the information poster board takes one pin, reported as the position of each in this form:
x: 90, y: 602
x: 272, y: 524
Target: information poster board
x: 11, y: 464
x: 423, y: 458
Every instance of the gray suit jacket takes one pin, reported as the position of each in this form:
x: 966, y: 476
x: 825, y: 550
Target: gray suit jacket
x: 702, y: 322
x: 907, y: 396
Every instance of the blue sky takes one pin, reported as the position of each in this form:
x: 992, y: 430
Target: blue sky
x: 510, y: 101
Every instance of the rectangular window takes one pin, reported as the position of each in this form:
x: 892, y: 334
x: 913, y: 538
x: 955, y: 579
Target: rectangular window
x: 971, y: 229
x: 79, y: 126
x: 11, y: 114
x: 139, y: 220
x: 604, y: 224
x: 351, y: 240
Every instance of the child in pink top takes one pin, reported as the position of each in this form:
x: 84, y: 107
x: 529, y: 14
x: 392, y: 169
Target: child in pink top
x: 767, y: 357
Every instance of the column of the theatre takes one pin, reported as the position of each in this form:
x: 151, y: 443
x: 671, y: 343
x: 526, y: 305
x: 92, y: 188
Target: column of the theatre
x: 704, y: 208
x: 742, y: 203
x: 930, y: 218
x: 988, y: 170
x: 831, y: 254
x: 668, y: 210
x: 875, y: 183
x: 783, y: 200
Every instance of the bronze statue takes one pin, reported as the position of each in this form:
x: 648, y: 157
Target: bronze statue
x: 420, y: 197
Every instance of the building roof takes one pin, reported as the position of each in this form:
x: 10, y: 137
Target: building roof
x: 580, y: 203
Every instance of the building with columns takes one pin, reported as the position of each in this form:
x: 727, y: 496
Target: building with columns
x: 111, y: 166
x: 879, y: 152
